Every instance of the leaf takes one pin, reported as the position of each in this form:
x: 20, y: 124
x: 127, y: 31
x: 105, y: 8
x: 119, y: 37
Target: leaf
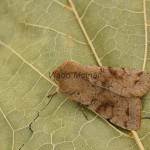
x: 37, y: 36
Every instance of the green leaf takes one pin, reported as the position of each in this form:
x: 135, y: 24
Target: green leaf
x: 36, y: 36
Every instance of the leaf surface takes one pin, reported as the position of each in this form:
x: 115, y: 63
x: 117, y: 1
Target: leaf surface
x: 37, y: 36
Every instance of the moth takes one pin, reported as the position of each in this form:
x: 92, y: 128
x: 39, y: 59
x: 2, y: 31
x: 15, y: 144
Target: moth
x: 112, y: 93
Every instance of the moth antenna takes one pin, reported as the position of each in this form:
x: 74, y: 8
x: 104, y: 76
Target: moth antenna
x: 50, y: 96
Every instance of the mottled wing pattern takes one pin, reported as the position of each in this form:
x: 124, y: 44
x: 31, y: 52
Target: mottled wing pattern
x: 109, y: 95
x: 123, y: 82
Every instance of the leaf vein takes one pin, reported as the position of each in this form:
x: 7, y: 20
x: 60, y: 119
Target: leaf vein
x: 35, y: 69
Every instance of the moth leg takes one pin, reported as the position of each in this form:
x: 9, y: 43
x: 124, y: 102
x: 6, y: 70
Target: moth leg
x: 83, y: 110
x: 52, y: 94
x: 146, y: 118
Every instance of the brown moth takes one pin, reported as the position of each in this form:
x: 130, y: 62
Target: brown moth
x: 112, y: 93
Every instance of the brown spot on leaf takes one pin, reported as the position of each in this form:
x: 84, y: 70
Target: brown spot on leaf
x: 68, y: 5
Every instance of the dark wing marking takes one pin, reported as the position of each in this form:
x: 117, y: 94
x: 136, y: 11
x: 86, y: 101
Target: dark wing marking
x: 123, y: 82
x: 122, y: 111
